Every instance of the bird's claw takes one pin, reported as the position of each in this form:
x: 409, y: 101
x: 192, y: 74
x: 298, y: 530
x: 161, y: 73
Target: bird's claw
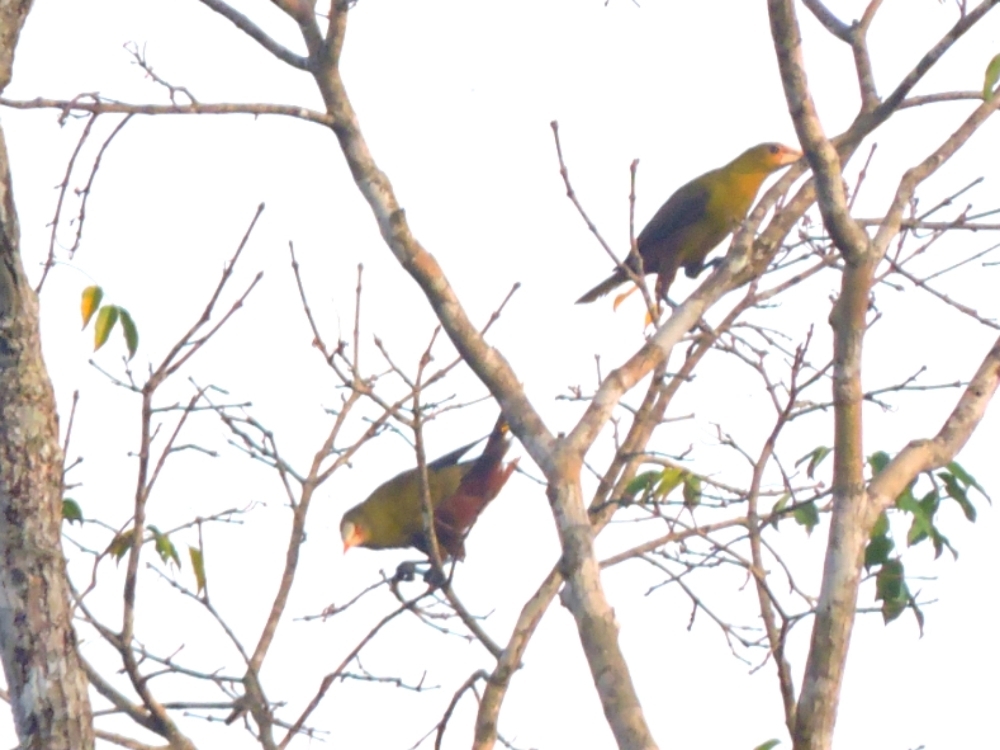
x: 406, y: 572
x: 434, y: 578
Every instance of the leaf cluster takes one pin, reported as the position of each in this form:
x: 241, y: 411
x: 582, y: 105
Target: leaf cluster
x: 953, y: 482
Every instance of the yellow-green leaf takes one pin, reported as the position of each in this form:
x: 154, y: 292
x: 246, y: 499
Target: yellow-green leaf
x: 815, y: 458
x: 643, y: 483
x: 692, y: 491
x: 121, y: 544
x: 892, y: 591
x: 71, y: 511
x: 130, y: 331
x: 992, y: 76
x: 107, y: 316
x: 164, y: 547
x: 656, y: 484
x: 877, y: 551
x: 881, y: 527
x: 89, y: 302
x: 967, y: 479
x: 779, y: 506
x: 806, y: 515
x: 198, y: 564
x: 671, y: 477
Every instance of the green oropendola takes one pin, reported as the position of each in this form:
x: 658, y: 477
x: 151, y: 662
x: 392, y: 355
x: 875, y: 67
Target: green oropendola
x: 698, y: 217
x: 392, y: 515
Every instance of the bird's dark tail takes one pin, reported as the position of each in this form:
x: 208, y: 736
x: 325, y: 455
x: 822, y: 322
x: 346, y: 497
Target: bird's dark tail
x: 615, y: 279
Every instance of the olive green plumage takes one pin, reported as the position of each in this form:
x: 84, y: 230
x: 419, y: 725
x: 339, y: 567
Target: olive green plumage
x: 392, y: 516
x: 698, y: 217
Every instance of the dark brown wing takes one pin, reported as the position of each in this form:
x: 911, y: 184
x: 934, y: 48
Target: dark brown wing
x: 658, y: 239
x: 450, y: 459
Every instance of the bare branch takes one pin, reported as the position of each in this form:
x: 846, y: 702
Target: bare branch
x: 943, y: 96
x: 328, y: 680
x: 122, y: 741
x: 85, y: 191
x: 832, y: 24
x: 908, y: 184
x: 892, y: 102
x: 98, y: 106
x: 256, y: 33
x: 637, y: 277
x: 925, y: 455
x: 850, y: 238
x: 466, y: 686
x: 174, y: 360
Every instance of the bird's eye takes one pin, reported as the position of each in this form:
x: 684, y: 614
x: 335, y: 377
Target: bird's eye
x: 774, y: 149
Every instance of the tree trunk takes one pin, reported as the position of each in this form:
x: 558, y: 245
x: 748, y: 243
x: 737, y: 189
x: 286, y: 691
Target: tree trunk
x: 48, y: 689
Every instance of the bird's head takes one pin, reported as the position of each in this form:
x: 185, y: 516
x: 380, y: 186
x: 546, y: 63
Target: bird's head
x: 353, y: 532
x: 767, y: 157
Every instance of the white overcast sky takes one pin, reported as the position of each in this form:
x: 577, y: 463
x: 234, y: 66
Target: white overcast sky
x: 455, y: 99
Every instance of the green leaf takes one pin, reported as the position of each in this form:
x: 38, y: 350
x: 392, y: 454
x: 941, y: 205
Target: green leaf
x: 881, y: 527
x: 815, y: 458
x: 89, y: 302
x: 778, y: 507
x: 940, y: 542
x: 893, y: 608
x: 198, y: 564
x: 107, y: 316
x: 918, y: 614
x: 890, y: 589
x: 957, y: 493
x: 889, y: 581
x: 643, y: 483
x: 656, y: 484
x: 71, y: 511
x: 992, y: 75
x: 877, y: 551
x: 769, y: 745
x: 905, y: 500
x: 806, y: 515
x: 692, y: 491
x: 966, y: 478
x: 878, y: 461
x: 130, y: 331
x: 923, y: 518
x: 164, y: 547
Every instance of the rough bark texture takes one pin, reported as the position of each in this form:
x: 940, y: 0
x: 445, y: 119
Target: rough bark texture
x: 855, y: 506
x: 47, y: 685
x: 816, y: 713
x: 584, y: 597
x: 584, y: 594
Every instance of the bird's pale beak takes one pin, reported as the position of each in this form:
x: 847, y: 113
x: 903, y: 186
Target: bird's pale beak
x: 790, y: 155
x: 351, y: 535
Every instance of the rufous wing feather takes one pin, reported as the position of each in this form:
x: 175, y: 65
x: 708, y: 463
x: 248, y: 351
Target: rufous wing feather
x: 455, y: 516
